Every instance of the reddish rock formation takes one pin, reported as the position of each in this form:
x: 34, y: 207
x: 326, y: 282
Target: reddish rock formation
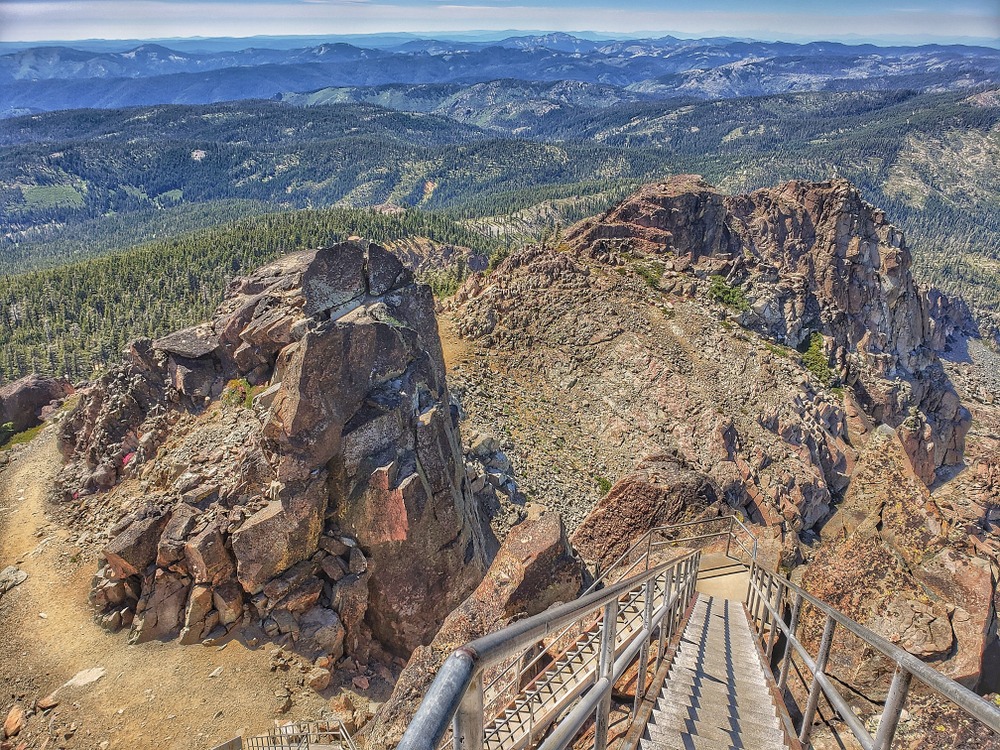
x: 886, y: 561
x: 304, y: 457
x: 21, y: 402
x: 534, y: 569
x: 661, y: 490
x: 810, y: 257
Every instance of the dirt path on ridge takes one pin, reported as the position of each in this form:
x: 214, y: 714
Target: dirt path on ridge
x: 153, y: 695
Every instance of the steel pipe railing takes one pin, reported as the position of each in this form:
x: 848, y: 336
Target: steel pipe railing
x: 456, y: 696
x: 767, y: 618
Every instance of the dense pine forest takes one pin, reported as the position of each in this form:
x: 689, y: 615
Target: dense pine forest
x: 125, y: 222
x: 75, y: 318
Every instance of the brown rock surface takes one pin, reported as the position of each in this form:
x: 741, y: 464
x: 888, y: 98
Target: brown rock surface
x: 534, y: 569
x: 885, y: 560
x: 661, y: 490
x: 21, y: 401
x: 355, y: 442
x: 811, y: 257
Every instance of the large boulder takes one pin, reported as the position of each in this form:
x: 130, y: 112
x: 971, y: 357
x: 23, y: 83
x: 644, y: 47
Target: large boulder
x: 661, y: 490
x: 305, y: 456
x: 21, y: 401
x: 534, y: 569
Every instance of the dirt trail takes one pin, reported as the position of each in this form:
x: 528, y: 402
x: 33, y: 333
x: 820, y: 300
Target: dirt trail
x: 153, y: 695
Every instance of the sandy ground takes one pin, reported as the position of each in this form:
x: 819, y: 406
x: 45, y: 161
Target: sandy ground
x: 152, y: 695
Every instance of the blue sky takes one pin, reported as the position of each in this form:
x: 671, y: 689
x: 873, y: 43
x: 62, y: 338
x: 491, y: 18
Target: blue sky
x: 905, y: 20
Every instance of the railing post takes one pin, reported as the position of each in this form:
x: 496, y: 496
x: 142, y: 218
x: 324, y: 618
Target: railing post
x: 649, y: 546
x: 679, y: 585
x: 815, y: 689
x: 754, y: 594
x: 758, y: 614
x: 647, y: 621
x: 605, y: 667
x: 780, y: 594
x: 787, y: 658
x: 670, y: 592
x: 467, y: 726
x: 729, y: 536
x: 665, y: 620
x: 892, y: 709
x: 765, y: 613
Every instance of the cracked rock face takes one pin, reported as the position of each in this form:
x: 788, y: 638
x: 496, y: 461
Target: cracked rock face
x: 810, y: 257
x: 301, y: 461
x: 886, y: 561
x: 534, y: 569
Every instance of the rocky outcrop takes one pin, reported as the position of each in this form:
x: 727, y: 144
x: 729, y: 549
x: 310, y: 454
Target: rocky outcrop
x: 591, y: 366
x: 22, y: 401
x: 809, y: 258
x: 886, y: 561
x: 534, y: 569
x: 661, y: 490
x: 303, y: 458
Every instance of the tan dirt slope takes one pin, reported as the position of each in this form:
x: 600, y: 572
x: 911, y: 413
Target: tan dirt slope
x: 154, y: 695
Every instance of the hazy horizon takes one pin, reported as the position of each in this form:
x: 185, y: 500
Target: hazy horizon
x: 25, y: 22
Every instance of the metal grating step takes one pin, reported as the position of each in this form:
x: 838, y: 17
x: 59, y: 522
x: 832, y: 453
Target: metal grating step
x: 716, y: 694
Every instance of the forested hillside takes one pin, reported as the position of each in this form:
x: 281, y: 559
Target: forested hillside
x: 74, y: 318
x: 186, y: 196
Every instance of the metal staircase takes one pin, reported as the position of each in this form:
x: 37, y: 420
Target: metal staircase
x: 716, y: 694
x: 703, y: 640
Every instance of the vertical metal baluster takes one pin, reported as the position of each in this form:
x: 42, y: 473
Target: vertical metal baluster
x: 758, y: 617
x: 814, y: 689
x: 787, y: 658
x: 670, y: 614
x: 765, y: 615
x: 468, y: 723
x: 729, y: 536
x: 647, y: 620
x: 665, y: 620
x: 604, y: 671
x: 779, y: 596
x: 892, y: 710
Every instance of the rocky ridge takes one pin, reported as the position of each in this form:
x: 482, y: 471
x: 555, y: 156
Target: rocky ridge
x: 677, y: 327
x: 812, y: 258
x: 293, y: 465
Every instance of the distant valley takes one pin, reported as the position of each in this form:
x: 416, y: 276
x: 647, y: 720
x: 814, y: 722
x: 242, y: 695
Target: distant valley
x: 505, y: 142
x: 50, y: 78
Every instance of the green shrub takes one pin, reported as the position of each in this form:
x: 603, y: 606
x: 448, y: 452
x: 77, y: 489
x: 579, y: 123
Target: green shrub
x: 239, y: 393
x: 603, y: 485
x: 730, y: 296
x: 816, y: 361
x: 651, y: 274
x: 8, y: 438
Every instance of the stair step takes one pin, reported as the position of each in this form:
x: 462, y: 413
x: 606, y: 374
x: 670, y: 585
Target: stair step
x: 747, y: 735
x: 743, y: 679
x: 739, y: 694
x: 735, y: 656
x: 716, y: 694
x: 722, y: 714
x: 685, y: 741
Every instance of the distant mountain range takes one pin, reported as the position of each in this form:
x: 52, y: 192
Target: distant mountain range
x: 50, y: 78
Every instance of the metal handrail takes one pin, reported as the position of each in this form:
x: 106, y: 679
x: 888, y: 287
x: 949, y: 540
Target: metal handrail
x: 765, y: 585
x: 497, y: 687
x: 456, y: 695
